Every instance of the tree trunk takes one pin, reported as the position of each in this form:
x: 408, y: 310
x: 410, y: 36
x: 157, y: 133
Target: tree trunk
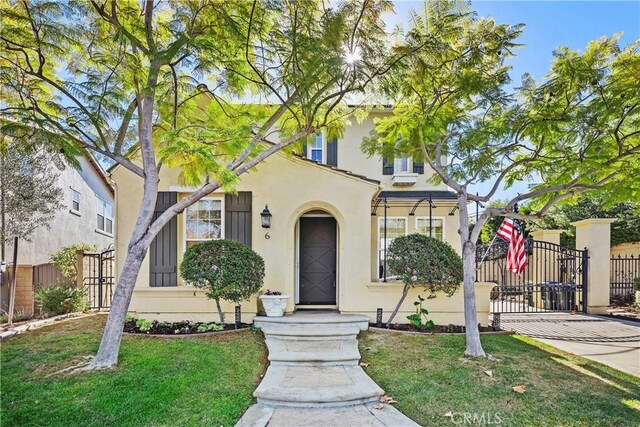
x: 220, y: 312
x: 472, y: 332
x: 107, y: 356
x: 405, y: 292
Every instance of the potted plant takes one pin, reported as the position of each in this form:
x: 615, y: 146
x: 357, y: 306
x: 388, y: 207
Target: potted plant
x: 274, y: 303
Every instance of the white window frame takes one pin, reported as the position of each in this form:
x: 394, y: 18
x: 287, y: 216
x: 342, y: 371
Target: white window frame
x: 184, y: 223
x: 380, y: 236
x: 444, y: 236
x: 397, y: 161
x: 72, y: 209
x: 323, y: 148
x: 102, y: 203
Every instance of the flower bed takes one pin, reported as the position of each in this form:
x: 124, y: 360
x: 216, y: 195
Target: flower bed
x: 436, y: 329
x: 147, y: 327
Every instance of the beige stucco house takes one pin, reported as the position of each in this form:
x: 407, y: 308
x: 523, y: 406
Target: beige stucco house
x: 326, y: 244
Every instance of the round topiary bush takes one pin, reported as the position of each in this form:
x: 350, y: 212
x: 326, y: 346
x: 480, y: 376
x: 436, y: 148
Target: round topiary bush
x: 224, y: 269
x: 417, y: 259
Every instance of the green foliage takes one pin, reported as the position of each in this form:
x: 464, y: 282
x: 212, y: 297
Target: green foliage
x: 210, y: 327
x: 422, y: 260
x: 66, y: 258
x: 224, y: 269
x: 420, y: 319
x: 636, y: 284
x: 28, y: 188
x: 61, y: 298
x: 144, y: 325
x: 626, y: 227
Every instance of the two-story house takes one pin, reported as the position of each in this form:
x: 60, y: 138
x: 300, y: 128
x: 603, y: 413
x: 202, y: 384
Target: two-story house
x: 334, y: 211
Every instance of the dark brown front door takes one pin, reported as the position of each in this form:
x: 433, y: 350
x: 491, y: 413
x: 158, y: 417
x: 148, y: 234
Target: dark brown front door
x: 317, y: 260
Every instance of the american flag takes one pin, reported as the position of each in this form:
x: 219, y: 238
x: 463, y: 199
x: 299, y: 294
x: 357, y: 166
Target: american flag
x: 517, y: 254
x: 506, y: 229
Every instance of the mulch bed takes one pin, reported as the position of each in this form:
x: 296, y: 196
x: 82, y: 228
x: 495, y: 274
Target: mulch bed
x: 437, y: 329
x: 178, y: 328
x: 625, y: 312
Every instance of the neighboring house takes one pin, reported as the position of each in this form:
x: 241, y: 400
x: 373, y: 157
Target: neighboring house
x: 86, y: 215
x: 326, y: 243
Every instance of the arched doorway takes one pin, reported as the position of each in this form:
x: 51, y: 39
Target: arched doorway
x: 317, y: 259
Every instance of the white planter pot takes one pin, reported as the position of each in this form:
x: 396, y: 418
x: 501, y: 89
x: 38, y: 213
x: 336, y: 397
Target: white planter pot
x: 274, y: 305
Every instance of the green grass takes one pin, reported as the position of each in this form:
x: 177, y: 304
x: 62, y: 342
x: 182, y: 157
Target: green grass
x: 429, y: 379
x: 189, y: 381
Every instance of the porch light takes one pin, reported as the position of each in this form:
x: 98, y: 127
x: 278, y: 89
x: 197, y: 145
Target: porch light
x: 3, y: 267
x: 266, y: 217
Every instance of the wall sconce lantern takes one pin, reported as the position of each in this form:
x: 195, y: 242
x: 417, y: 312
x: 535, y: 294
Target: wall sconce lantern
x: 266, y: 217
x: 3, y: 267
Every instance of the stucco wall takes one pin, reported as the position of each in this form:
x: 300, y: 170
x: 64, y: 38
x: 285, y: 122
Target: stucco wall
x: 66, y: 227
x: 350, y: 157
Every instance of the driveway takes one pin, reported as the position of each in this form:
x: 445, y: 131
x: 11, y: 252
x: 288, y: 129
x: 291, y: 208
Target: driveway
x: 613, y: 342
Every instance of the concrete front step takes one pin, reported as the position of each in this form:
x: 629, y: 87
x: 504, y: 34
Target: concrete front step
x: 310, y: 331
x: 316, y: 352
x: 316, y: 386
x: 314, y: 318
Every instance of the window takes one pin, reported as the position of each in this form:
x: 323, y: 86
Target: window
x: 105, y: 216
x: 75, y: 200
x: 401, y: 165
x: 396, y: 227
x: 316, y: 149
x: 203, y: 221
x: 422, y: 227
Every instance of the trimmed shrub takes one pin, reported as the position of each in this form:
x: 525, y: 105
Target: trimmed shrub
x: 224, y: 269
x: 60, y: 298
x: 421, y: 260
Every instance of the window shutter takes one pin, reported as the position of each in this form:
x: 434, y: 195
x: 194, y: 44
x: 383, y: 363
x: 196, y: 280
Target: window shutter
x: 163, y: 252
x: 304, y: 149
x: 418, y: 167
x: 387, y: 166
x: 332, y: 152
x: 237, y: 214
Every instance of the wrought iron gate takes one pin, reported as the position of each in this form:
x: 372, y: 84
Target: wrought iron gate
x: 555, y: 278
x: 623, y: 271
x: 99, y: 277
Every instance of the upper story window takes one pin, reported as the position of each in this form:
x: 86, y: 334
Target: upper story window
x: 436, y: 226
x: 203, y: 221
x: 75, y: 201
x: 317, y: 148
x: 401, y: 165
x: 105, y: 216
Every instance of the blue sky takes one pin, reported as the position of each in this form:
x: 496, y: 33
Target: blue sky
x: 549, y: 24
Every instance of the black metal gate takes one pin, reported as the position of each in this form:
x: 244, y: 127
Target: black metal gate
x: 99, y: 277
x: 623, y: 271
x: 554, y: 280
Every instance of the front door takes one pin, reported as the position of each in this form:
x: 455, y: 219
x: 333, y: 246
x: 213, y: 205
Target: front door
x: 317, y: 270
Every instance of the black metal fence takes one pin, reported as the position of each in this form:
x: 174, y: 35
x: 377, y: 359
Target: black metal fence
x: 99, y: 277
x: 623, y: 271
x: 555, y: 278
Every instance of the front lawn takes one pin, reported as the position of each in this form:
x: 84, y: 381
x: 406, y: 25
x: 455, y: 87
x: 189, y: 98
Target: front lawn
x: 189, y: 381
x: 435, y: 386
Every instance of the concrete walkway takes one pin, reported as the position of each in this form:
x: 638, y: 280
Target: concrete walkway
x: 610, y: 341
x: 314, y: 378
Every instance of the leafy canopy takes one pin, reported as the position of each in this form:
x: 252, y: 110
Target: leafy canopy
x: 224, y: 269
x: 422, y: 260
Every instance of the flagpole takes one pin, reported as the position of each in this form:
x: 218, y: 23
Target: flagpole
x: 487, y: 251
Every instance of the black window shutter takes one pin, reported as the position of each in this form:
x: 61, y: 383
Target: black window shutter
x: 237, y: 214
x: 163, y: 252
x: 418, y: 167
x: 332, y: 152
x: 304, y: 149
x: 387, y: 166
